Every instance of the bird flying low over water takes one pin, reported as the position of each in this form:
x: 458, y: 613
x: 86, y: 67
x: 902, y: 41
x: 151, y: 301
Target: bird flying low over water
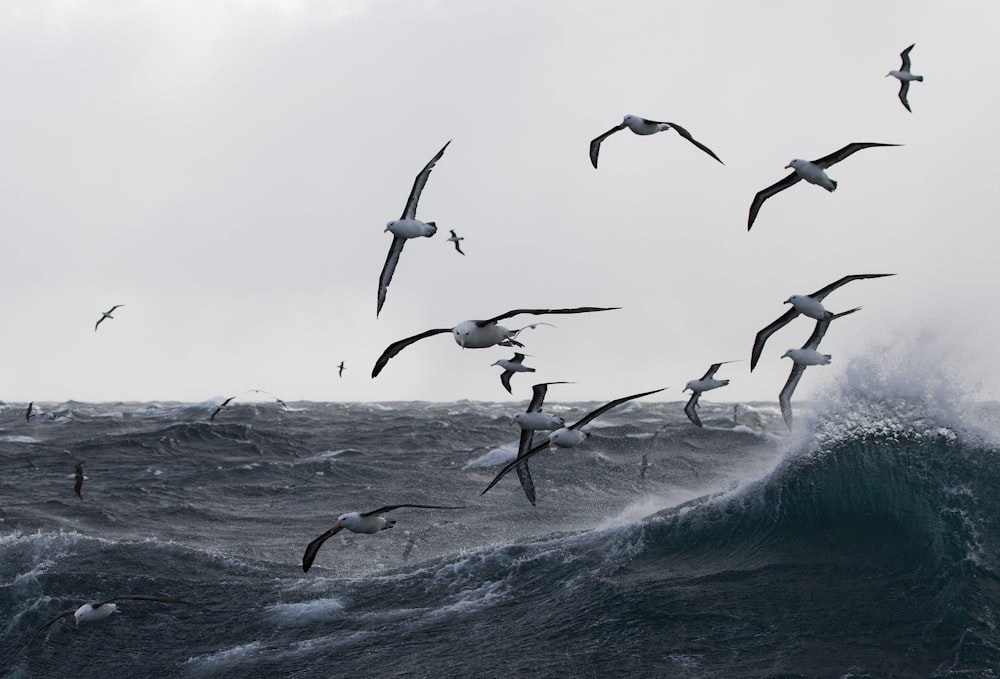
x: 566, y: 437
x: 706, y: 383
x: 219, y: 408
x: 810, y: 170
x: 479, y: 334
x: 406, y: 227
x: 366, y: 522
x: 454, y: 239
x: 78, y: 480
x: 106, y: 314
x: 531, y: 419
x: 905, y: 76
x: 802, y: 358
x: 810, y: 305
x: 643, y: 127
x: 510, y: 366
x: 91, y: 612
x: 30, y: 412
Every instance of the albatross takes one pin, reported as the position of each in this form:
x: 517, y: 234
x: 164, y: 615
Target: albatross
x: 565, y: 437
x: 809, y: 305
x: 91, y: 612
x: 905, y: 76
x: 106, y: 314
x: 510, y: 366
x: 531, y: 419
x: 78, y: 480
x: 480, y: 334
x: 707, y: 382
x: 454, y: 239
x: 810, y: 170
x: 359, y: 522
x: 644, y: 127
x: 802, y: 358
x: 406, y: 227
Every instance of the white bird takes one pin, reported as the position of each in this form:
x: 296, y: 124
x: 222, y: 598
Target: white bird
x: 643, y: 127
x: 707, y: 382
x: 531, y: 419
x: 565, y: 437
x: 511, y: 366
x: 809, y: 305
x: 905, y: 76
x: 481, y: 333
x: 802, y: 358
x: 406, y: 227
x: 91, y: 612
x: 454, y: 239
x: 358, y: 522
x: 810, y: 170
x: 106, y: 314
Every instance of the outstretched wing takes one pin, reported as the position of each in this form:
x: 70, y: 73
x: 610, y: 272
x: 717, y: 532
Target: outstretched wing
x: 764, y: 194
x: 827, y: 289
x: 687, y: 135
x: 904, y: 88
x: 313, y: 547
x: 395, y: 249
x: 410, y: 211
x: 691, y: 405
x: 594, y: 414
x: 539, y: 312
x: 905, y: 56
x: 52, y: 622
x: 399, y: 345
x: 595, y: 143
x: 143, y: 597
x: 785, y: 397
x: 820, y: 329
x: 538, y: 392
x: 505, y: 380
x: 523, y: 473
x: 840, y: 154
x: 770, y: 329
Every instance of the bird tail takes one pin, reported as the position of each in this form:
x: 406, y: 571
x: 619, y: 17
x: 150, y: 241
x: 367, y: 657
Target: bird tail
x: 918, y: 78
x: 389, y: 523
x: 826, y: 359
x: 434, y: 228
x: 833, y: 184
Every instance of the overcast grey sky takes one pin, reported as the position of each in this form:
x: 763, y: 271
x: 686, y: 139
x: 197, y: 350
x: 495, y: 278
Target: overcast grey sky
x: 225, y: 169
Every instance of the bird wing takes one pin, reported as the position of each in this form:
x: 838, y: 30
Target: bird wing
x: 764, y: 194
x: 142, y: 597
x: 840, y: 154
x: 764, y: 333
x: 98, y: 322
x: 904, y: 88
x: 595, y: 143
x: 389, y: 508
x: 78, y: 485
x: 52, y: 621
x: 523, y: 473
x: 310, y: 554
x: 594, y: 414
x: 827, y: 289
x: 395, y: 249
x: 399, y: 345
x: 410, y: 211
x: 687, y: 135
x: 820, y: 329
x: 538, y: 392
x: 520, y: 459
x: 711, y: 370
x: 905, y: 56
x: 785, y: 397
x: 691, y: 405
x: 505, y: 380
x: 457, y: 247
x: 538, y: 312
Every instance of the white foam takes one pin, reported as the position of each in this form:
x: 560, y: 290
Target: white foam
x: 306, y: 612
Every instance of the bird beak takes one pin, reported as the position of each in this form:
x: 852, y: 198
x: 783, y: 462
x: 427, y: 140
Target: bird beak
x: 461, y: 341
x: 787, y: 301
x: 788, y: 166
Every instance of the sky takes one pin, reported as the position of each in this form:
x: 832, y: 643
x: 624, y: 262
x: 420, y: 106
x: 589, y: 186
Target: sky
x: 225, y: 170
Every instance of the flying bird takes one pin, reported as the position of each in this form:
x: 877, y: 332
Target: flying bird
x: 531, y: 419
x: 366, y: 522
x: 454, y: 239
x: 30, y: 412
x: 511, y: 366
x: 810, y: 170
x: 566, y: 437
x: 810, y: 305
x: 91, y: 612
x: 219, y: 408
x: 106, y: 314
x: 78, y: 483
x: 706, y: 383
x: 802, y: 358
x: 480, y: 334
x: 340, y: 369
x: 905, y: 76
x: 643, y: 127
x: 406, y: 227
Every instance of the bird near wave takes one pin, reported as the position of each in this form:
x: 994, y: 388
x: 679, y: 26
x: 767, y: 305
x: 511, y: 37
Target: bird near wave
x: 480, y: 334
x: 406, y: 227
x: 91, y: 612
x: 78, y: 480
x: 810, y: 170
x: 707, y: 382
x: 359, y: 522
x: 905, y: 77
x: 644, y: 127
x: 530, y: 420
x: 106, y: 314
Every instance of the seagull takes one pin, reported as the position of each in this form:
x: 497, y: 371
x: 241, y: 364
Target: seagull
x: 531, y: 419
x: 811, y: 171
x: 78, y: 485
x: 810, y: 305
x: 106, y: 314
x: 406, y: 227
x: 644, y: 127
x: 219, y: 408
x: 511, y: 366
x: 566, y: 437
x: 904, y: 76
x: 454, y: 239
x: 706, y: 383
x: 480, y: 334
x: 340, y: 369
x: 803, y: 358
x: 366, y: 522
x: 98, y: 611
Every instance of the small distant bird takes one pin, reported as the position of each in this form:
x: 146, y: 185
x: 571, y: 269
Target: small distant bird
x: 30, y: 412
x: 706, y: 383
x: 905, y: 76
x: 810, y: 170
x: 340, y: 369
x: 406, y: 227
x: 366, y: 522
x: 78, y: 485
x: 98, y: 611
x: 511, y: 366
x: 643, y: 127
x: 802, y: 358
x: 454, y: 239
x: 267, y: 393
x: 106, y: 314
x: 219, y: 408
x: 566, y: 437
x: 531, y: 419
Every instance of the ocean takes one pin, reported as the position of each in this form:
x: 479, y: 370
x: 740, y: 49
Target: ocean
x: 863, y: 543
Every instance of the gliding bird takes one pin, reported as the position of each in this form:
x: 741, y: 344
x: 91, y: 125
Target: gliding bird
x: 706, y: 383
x: 511, y: 366
x: 643, y: 127
x: 905, y: 76
x: 106, y: 314
x: 98, y: 611
x: 531, y: 419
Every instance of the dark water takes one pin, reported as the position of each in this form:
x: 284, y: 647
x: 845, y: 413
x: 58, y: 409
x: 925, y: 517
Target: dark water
x: 862, y: 545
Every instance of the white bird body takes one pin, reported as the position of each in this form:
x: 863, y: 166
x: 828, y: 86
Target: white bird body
x: 640, y: 125
x: 411, y: 228
x: 356, y: 523
x: 91, y: 613
x: 808, y: 306
x: 469, y: 335
x: 565, y: 437
x: 699, y: 386
x: 812, y: 173
x: 807, y: 357
x: 538, y: 421
x: 513, y: 366
x: 905, y: 75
